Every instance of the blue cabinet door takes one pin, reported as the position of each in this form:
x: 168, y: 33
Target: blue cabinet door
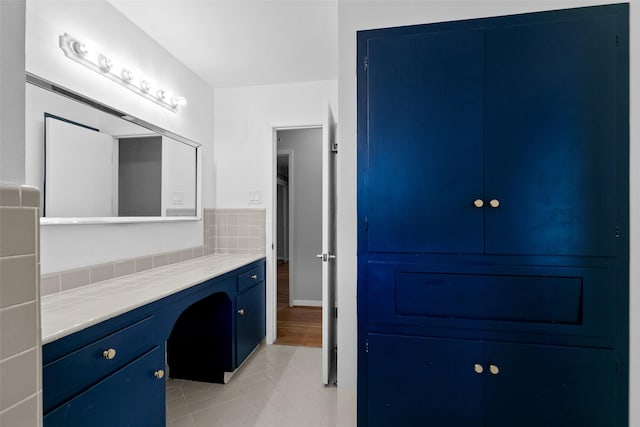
x: 551, y: 386
x: 131, y: 397
x: 551, y: 137
x: 250, y: 321
x: 424, y: 147
x: 424, y: 382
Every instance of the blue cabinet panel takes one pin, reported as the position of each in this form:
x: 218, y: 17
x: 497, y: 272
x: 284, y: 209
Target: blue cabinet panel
x: 539, y: 385
x: 250, y: 321
x: 551, y: 130
x: 424, y: 382
x: 573, y: 303
x: 128, y: 398
x: 425, y: 142
x: 62, y: 378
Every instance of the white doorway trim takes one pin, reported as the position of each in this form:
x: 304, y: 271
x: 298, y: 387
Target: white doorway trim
x: 272, y: 280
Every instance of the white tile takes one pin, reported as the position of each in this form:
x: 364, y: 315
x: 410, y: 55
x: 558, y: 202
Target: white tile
x: 279, y: 386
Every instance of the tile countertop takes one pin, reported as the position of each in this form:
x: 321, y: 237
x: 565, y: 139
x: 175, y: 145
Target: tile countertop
x: 70, y: 311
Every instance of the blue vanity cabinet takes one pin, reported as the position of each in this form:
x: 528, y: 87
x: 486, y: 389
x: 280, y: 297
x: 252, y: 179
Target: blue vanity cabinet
x: 77, y: 370
x: 131, y: 396
x: 493, y: 221
x: 250, y: 313
x: 113, y: 373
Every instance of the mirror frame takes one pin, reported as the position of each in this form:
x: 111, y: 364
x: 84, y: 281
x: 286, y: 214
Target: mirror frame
x: 44, y: 84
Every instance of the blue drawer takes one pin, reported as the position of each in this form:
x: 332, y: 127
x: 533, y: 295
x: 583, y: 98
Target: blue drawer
x: 65, y: 377
x: 250, y: 278
x: 128, y: 397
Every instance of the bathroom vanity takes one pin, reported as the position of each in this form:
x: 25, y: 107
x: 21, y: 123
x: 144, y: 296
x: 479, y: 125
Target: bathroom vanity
x: 107, y: 347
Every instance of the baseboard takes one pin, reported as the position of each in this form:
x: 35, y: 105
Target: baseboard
x: 308, y: 303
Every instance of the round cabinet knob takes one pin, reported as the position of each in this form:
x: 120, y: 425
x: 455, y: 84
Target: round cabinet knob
x: 494, y: 369
x: 254, y: 276
x: 159, y: 374
x: 109, y: 354
x: 241, y: 312
x: 478, y: 203
x: 494, y: 203
x: 478, y: 368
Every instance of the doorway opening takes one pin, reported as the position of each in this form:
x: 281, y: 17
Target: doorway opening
x: 299, y: 236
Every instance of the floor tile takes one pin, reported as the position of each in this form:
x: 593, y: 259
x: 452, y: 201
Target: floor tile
x: 279, y: 386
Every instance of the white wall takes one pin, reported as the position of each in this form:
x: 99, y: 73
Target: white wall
x: 360, y: 15
x: 245, y: 119
x: 305, y: 270
x: 70, y: 246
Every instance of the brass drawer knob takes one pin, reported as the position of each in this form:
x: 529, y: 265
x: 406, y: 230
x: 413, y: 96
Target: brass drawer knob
x: 494, y: 369
x: 159, y: 374
x: 254, y: 276
x: 478, y: 368
x: 241, y: 312
x: 478, y: 203
x: 109, y: 354
x: 494, y: 203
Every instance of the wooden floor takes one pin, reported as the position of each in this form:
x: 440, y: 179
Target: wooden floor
x: 301, y: 326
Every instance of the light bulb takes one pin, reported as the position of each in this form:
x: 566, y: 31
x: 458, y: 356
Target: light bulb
x: 105, y: 63
x: 161, y: 94
x: 79, y: 48
x: 145, y: 85
x: 178, y: 101
x: 126, y: 74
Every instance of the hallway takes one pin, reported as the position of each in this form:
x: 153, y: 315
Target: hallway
x: 297, y: 326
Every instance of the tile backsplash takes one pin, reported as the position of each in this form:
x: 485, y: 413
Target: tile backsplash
x: 226, y: 231
x: 69, y: 279
x: 235, y: 231
x: 20, y: 349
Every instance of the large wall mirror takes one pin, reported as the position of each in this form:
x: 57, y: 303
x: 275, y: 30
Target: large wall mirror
x: 98, y: 165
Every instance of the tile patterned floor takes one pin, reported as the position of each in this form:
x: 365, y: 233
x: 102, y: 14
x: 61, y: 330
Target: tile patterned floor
x: 279, y: 386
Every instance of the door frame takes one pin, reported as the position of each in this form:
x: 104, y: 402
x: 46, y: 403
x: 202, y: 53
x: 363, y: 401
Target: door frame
x: 272, y: 281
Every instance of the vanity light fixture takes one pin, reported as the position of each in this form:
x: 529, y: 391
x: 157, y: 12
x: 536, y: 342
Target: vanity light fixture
x: 105, y: 65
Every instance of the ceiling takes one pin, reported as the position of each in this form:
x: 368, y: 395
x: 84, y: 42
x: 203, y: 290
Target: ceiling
x: 232, y: 43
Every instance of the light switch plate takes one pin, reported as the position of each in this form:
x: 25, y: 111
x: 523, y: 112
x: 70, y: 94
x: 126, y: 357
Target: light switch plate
x: 255, y: 197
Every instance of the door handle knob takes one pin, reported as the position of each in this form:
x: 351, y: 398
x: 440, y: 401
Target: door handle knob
x: 241, y: 312
x: 159, y: 374
x: 254, y: 276
x: 109, y: 354
x: 478, y: 203
x: 494, y: 369
x: 494, y: 203
x: 478, y: 368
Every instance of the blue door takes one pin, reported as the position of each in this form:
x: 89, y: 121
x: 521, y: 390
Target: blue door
x: 551, y: 134
x: 424, y: 166
x: 551, y: 386
x: 424, y: 382
x: 251, y: 321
